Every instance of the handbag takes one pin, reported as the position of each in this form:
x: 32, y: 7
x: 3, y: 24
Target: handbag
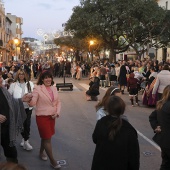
x: 157, y: 138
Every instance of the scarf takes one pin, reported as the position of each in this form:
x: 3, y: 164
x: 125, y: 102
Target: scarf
x: 151, y: 87
x: 17, y: 116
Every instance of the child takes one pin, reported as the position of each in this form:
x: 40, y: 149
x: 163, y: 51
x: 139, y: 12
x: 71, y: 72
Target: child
x: 132, y: 86
x: 101, y: 106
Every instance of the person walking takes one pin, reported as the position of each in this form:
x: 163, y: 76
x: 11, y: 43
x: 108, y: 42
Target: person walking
x: 116, y: 140
x: 162, y: 80
x: 17, y: 89
x: 112, y: 75
x: 45, y: 98
x: 12, y: 117
x: 103, y: 73
x: 132, y: 86
x: 122, y: 78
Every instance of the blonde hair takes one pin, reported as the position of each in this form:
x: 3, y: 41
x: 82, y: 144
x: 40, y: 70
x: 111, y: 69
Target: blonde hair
x: 21, y: 71
x: 165, y: 97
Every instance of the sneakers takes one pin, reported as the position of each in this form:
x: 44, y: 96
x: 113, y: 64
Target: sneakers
x: 22, y: 143
x: 27, y: 146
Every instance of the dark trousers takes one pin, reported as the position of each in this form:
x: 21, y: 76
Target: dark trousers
x: 27, y: 123
x: 35, y: 74
x: 165, y: 159
x: 9, y: 152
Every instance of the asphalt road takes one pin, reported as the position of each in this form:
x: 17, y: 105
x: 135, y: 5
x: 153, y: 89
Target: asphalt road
x: 72, y: 142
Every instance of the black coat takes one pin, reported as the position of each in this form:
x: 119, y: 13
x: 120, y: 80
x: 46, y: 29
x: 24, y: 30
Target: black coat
x: 120, y: 154
x: 122, y: 76
x: 163, y: 117
x: 153, y: 120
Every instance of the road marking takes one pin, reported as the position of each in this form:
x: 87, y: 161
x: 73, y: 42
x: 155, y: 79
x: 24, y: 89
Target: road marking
x: 84, y: 85
x: 148, y: 140
x: 61, y: 162
x: 75, y: 88
x: 139, y: 133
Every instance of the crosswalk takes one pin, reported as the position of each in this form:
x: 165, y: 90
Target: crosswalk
x: 84, y: 85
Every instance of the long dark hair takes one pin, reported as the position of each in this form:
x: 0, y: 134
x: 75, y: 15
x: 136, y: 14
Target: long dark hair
x: 115, y: 107
x: 44, y: 75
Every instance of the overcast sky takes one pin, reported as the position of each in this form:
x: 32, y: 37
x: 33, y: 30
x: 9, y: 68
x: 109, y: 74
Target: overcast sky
x: 47, y: 15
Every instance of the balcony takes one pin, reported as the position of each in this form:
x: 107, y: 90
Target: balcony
x: 19, y: 20
x: 18, y: 31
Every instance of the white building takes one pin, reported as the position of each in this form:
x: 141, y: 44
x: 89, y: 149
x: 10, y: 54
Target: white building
x: 161, y: 52
x: 16, y: 28
x: 164, y: 3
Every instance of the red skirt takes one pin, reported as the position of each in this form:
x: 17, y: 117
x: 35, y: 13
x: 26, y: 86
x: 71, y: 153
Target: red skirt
x: 46, y: 126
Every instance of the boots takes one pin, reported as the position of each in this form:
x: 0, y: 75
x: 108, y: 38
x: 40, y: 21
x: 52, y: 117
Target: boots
x: 132, y: 102
x: 27, y: 146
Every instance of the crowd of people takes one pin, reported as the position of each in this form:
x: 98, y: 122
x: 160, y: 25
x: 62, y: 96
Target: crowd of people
x: 16, y: 104
x: 113, y: 130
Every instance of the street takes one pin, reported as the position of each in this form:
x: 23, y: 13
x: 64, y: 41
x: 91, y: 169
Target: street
x: 72, y: 142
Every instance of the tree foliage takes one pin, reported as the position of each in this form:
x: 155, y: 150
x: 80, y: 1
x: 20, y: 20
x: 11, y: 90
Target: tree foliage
x: 120, y: 24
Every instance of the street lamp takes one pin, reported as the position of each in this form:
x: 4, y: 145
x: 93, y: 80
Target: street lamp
x: 91, y: 42
x: 27, y: 52
x: 16, y: 42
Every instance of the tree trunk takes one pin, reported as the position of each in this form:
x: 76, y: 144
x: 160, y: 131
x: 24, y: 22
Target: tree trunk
x: 112, y: 55
x: 77, y: 56
x: 164, y: 51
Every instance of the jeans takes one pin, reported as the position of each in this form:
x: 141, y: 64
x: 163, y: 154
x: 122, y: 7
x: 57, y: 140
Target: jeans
x: 27, y: 123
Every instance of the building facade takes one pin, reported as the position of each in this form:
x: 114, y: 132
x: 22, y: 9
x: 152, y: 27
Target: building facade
x: 2, y: 32
x: 16, y: 28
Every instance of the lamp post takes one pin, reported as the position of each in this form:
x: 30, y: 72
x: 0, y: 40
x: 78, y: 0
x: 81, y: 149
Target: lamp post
x: 27, y: 52
x: 16, y: 42
x: 91, y: 42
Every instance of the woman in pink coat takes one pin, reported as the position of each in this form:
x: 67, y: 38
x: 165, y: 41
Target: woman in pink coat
x: 48, y: 106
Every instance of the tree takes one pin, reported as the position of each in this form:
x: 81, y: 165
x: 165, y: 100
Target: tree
x: 145, y: 25
x: 99, y: 18
x: 74, y: 43
x: 119, y: 23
